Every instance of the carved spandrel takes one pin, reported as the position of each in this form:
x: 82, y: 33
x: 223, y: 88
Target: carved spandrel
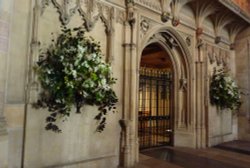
x: 210, y: 54
x: 90, y: 11
x: 145, y: 25
x: 107, y: 16
x: 65, y: 10
x: 120, y: 16
x: 44, y: 4
x: 217, y: 55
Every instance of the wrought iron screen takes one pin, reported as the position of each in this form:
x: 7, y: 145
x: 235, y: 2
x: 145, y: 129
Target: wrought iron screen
x: 154, y: 108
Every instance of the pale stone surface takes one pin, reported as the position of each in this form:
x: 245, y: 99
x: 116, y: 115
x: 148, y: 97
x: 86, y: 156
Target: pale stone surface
x: 19, y: 37
x: 185, y: 139
x: 15, y: 147
x: 5, y: 12
x: 78, y: 141
x: 4, y: 151
x: 14, y: 115
x: 243, y: 71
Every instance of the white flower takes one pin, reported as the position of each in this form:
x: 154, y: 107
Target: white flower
x: 103, y: 82
x: 88, y: 83
x: 61, y: 57
x: 85, y: 64
x: 85, y: 94
x: 74, y: 73
x: 48, y: 71
x: 81, y: 49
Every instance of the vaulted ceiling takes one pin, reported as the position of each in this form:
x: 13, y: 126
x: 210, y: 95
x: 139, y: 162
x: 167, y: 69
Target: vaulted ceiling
x: 224, y: 14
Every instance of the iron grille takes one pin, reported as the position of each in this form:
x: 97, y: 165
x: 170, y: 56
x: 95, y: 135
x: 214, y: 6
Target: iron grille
x: 154, y: 108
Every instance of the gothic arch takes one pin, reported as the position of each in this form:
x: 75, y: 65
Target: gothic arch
x: 151, y: 37
x: 172, y: 42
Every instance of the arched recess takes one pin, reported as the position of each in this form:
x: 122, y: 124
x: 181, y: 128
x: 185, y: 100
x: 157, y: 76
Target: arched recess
x: 172, y: 42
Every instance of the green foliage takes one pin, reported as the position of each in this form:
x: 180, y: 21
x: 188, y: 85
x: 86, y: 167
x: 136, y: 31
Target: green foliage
x: 224, y: 93
x: 72, y: 73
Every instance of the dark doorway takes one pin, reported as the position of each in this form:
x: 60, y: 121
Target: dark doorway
x: 155, y: 126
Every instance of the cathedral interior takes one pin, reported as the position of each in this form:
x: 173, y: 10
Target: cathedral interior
x: 124, y: 83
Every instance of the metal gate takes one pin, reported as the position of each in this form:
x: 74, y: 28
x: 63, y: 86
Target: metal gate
x: 155, y: 126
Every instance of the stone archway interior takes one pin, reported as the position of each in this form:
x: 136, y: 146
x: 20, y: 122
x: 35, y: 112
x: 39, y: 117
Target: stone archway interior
x: 154, y: 56
x: 155, y: 98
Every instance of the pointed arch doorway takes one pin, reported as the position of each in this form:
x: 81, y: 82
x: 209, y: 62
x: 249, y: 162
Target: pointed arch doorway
x: 155, y: 104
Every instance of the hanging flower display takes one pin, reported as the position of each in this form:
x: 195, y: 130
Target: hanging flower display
x: 72, y: 73
x: 224, y: 93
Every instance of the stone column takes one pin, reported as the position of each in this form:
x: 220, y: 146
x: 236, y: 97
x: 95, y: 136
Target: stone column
x: 200, y: 93
x: 129, y: 150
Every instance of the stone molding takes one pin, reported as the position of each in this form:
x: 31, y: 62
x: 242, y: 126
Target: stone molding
x: 152, y: 5
x: 172, y: 41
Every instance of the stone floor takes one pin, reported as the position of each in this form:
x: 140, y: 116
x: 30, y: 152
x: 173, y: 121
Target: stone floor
x: 236, y: 146
x: 177, y: 157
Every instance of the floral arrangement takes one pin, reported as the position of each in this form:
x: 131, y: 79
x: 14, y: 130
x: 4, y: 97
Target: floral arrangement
x: 72, y: 73
x: 224, y: 92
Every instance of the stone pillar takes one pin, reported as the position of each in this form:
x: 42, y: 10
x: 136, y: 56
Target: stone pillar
x: 129, y: 150
x: 200, y: 93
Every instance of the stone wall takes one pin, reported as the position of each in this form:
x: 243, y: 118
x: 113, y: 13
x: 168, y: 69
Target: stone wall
x: 78, y: 144
x: 222, y: 124
x: 5, y: 24
x: 243, y: 76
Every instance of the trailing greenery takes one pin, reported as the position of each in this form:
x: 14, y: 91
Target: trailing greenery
x: 224, y: 93
x: 72, y: 73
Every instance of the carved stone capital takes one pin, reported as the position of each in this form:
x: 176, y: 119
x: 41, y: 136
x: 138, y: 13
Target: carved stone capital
x: 165, y: 16
x: 175, y: 22
x: 232, y: 46
x: 217, y: 39
x: 199, y: 31
x: 130, y: 13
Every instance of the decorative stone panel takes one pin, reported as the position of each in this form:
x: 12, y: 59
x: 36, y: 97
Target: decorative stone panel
x: 153, y: 5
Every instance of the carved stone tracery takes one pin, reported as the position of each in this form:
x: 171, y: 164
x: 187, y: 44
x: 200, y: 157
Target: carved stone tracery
x: 89, y: 10
x: 217, y: 55
x: 153, y: 5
